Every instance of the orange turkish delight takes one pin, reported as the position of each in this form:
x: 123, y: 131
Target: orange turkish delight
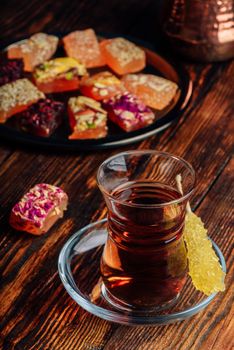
x: 101, y: 86
x: 83, y: 45
x: 15, y: 97
x: 35, y: 50
x: 87, y: 118
x: 154, y: 91
x: 123, y: 56
x: 128, y: 112
x: 39, y: 209
x: 58, y: 75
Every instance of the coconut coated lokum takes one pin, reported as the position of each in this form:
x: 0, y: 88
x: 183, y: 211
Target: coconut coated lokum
x: 17, y: 96
x: 156, y: 92
x: 35, y: 50
x: 123, y: 56
x: 83, y: 45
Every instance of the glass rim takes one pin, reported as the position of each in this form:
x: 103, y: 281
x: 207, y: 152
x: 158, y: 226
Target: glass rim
x: 150, y: 152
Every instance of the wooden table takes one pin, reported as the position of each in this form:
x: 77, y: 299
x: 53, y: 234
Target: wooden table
x: 35, y: 310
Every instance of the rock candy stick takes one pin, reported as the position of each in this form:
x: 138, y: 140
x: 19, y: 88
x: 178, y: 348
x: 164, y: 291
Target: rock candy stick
x: 204, y: 267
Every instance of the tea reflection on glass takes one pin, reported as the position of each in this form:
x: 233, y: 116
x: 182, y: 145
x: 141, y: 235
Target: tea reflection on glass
x: 144, y: 263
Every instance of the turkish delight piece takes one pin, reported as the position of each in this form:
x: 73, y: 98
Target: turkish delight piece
x: 38, y: 48
x: 83, y: 45
x: 58, y: 75
x: 101, y: 86
x: 11, y: 70
x: 87, y: 118
x: 42, y: 118
x: 128, y: 112
x: 154, y: 91
x: 123, y: 56
x: 15, y: 97
x: 39, y: 209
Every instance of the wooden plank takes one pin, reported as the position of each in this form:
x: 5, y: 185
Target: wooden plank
x: 22, y: 266
x: 206, y: 138
x: 37, y: 313
x: 33, y: 16
x: 5, y: 152
x: 24, y: 258
x: 210, y: 329
x: 208, y: 143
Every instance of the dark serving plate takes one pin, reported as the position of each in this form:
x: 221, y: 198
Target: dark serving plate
x: 156, y: 64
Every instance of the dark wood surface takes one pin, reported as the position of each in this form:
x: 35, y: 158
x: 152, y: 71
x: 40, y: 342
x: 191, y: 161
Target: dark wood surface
x: 35, y: 310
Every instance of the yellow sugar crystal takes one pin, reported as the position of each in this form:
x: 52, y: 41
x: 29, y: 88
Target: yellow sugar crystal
x: 204, y: 267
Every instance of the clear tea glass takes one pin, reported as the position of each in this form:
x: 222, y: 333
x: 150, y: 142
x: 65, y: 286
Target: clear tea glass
x: 144, y: 264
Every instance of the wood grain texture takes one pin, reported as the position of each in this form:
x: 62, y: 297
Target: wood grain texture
x: 127, y: 17
x: 35, y: 311
x: 203, y: 330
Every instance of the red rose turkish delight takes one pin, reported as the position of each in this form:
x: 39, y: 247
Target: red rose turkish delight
x: 42, y: 118
x: 123, y: 56
x: 17, y: 96
x: 11, y: 70
x: 83, y: 45
x: 38, y: 48
x: 39, y: 209
x: 154, y: 91
x: 128, y: 112
x: 87, y: 118
x: 101, y: 86
x: 58, y: 75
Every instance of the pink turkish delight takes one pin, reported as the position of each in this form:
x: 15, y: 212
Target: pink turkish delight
x: 39, y: 209
x: 42, y: 118
x: 11, y: 70
x: 128, y: 112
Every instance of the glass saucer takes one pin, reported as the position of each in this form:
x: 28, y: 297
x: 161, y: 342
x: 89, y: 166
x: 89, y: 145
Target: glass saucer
x: 78, y: 267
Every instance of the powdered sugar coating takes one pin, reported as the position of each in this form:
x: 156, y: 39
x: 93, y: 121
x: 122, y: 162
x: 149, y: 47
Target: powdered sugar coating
x: 36, y: 204
x: 123, y: 56
x: 83, y: 45
x: 124, y: 51
x: 156, y: 92
x: 38, y: 48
